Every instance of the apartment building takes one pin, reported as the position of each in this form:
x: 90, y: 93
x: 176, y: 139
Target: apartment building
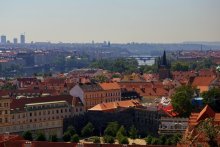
x: 38, y: 114
x: 92, y: 94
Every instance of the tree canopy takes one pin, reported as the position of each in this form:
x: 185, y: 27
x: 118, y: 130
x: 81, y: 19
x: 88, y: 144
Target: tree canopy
x: 27, y: 135
x: 75, y: 138
x: 181, y: 100
x: 87, y: 130
x: 112, y: 129
x: 133, y: 132
x: 210, y: 130
x: 121, y: 65
x: 212, y: 98
x: 41, y: 137
x: 180, y: 66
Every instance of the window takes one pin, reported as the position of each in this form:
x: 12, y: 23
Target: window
x: 30, y: 114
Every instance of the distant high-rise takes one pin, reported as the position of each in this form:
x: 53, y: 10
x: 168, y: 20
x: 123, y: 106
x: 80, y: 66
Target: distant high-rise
x: 15, y: 40
x: 3, y: 39
x: 22, y: 38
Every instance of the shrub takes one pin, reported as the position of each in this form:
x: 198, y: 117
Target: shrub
x: 75, y: 138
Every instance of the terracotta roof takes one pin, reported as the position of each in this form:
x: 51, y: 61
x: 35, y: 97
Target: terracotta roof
x: 202, y: 81
x: 206, y: 73
x: 89, y: 87
x: 110, y: 86
x: 54, y: 80
x: 206, y: 112
x: 152, y: 91
x: 20, y: 103
x: 168, y: 110
x: 133, y: 78
x: 115, y: 105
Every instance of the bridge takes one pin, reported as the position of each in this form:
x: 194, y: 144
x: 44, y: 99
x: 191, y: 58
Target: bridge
x: 143, y: 58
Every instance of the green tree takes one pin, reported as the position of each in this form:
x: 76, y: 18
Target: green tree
x: 66, y: 136
x: 122, y: 130
x: 96, y: 139
x: 119, y: 136
x: 149, y: 139
x: 111, y: 129
x: 162, y: 140
x: 133, y: 132
x: 71, y: 130
x: 75, y: 138
x: 212, y: 98
x: 176, y: 138
x: 155, y: 141
x: 168, y: 141
x: 87, y: 130
x: 148, y: 68
x: 53, y: 138
x: 180, y: 66
x: 124, y: 140
x: 41, y: 137
x: 100, y: 78
x: 181, y: 100
x: 121, y: 65
x: 27, y: 135
x: 210, y: 130
x: 109, y: 139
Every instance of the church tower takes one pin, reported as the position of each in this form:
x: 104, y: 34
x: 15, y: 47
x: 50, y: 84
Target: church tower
x: 163, y: 67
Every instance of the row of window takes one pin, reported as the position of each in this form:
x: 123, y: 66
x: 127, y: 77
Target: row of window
x: 4, y: 104
x: 49, y: 112
x: 48, y: 106
x: 14, y: 128
x: 2, y: 112
x: 93, y: 103
x: 5, y: 120
x: 96, y: 95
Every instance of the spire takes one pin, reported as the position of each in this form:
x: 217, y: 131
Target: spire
x: 164, y: 58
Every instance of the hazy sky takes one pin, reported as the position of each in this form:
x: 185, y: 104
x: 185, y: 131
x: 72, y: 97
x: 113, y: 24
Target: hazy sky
x: 112, y: 20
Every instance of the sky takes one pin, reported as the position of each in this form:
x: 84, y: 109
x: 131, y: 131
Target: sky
x: 119, y: 21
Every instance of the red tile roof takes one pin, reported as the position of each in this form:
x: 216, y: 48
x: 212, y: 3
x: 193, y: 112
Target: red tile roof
x: 110, y: 86
x: 168, y: 110
x: 202, y: 81
x: 206, y: 112
x: 115, y: 105
x: 20, y: 103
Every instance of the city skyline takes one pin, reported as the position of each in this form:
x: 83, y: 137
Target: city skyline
x: 116, y: 21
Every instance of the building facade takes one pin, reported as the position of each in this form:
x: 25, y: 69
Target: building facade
x: 92, y: 94
x: 44, y: 114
